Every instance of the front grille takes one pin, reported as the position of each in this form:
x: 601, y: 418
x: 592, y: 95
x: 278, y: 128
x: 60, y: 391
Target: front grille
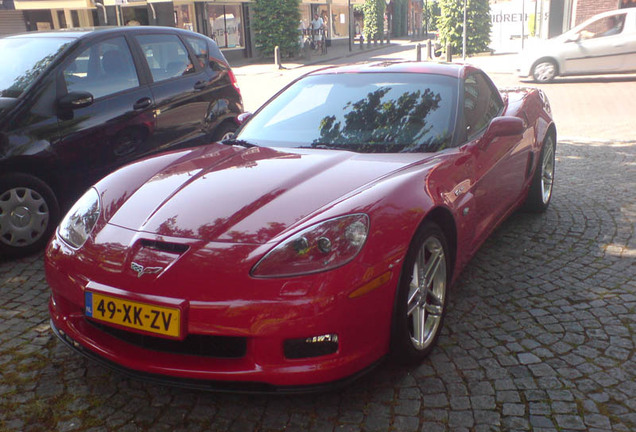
x: 199, y: 345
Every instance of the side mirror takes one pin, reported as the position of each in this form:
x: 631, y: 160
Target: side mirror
x: 574, y: 38
x: 75, y: 100
x: 242, y: 118
x: 502, y: 127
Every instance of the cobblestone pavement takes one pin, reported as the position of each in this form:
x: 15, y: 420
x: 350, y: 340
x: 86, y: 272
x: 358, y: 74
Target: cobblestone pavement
x: 540, y: 336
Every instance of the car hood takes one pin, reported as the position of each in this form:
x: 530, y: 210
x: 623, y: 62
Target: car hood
x: 249, y: 195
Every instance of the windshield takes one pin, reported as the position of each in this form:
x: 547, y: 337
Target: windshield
x: 363, y: 112
x: 29, y: 56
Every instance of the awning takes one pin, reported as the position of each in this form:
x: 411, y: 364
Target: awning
x: 56, y: 4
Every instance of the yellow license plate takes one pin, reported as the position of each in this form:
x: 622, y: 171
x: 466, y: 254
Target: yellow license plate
x: 141, y: 316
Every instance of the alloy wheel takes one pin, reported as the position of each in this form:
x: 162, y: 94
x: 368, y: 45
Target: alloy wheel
x: 427, y: 292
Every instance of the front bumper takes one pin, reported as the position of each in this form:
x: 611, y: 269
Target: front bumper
x: 306, y: 307
x: 210, y: 385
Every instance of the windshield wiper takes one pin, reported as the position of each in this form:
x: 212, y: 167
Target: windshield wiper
x: 238, y: 142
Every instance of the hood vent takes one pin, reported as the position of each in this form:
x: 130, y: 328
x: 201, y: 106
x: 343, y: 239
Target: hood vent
x: 174, y: 248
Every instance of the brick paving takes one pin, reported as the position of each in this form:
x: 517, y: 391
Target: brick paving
x: 540, y: 336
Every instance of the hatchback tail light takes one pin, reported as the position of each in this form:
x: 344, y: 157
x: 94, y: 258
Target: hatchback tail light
x: 233, y: 80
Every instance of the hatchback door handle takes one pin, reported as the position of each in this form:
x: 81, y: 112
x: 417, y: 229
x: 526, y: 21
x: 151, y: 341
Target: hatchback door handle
x: 142, y: 103
x: 200, y: 85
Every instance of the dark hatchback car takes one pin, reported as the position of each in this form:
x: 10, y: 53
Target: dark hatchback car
x: 75, y: 105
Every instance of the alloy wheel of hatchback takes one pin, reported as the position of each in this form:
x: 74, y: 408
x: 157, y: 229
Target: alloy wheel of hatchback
x: 544, y: 71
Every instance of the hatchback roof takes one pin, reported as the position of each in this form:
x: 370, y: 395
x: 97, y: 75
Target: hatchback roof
x: 75, y: 33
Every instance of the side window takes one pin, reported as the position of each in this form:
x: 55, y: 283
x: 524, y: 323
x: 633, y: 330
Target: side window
x: 102, y: 69
x: 481, y: 104
x: 217, y: 60
x: 608, y: 26
x: 200, y: 48
x: 166, y: 55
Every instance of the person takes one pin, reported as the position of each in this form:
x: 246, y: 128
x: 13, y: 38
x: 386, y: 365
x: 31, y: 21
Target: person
x: 611, y: 25
x: 317, y: 28
x: 317, y: 23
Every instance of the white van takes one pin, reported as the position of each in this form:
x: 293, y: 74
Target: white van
x: 604, y: 44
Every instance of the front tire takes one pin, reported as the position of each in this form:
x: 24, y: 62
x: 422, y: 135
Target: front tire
x: 540, y: 192
x: 28, y: 213
x: 544, y: 71
x: 422, y: 296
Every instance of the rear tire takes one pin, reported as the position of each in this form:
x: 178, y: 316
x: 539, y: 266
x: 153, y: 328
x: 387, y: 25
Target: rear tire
x: 224, y: 132
x: 540, y: 192
x: 422, y: 296
x: 29, y: 212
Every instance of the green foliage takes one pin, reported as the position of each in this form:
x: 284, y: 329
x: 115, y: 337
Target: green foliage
x: 275, y: 23
x: 400, y: 12
x: 373, y: 19
x: 433, y: 12
x: 451, y: 21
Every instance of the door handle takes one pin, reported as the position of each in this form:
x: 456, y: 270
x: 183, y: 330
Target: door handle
x: 200, y: 85
x: 142, y: 103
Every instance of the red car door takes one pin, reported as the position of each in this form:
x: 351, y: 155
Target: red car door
x: 498, y: 162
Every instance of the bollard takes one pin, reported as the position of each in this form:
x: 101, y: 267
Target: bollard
x: 418, y: 52
x: 277, y: 57
x: 449, y: 53
x: 429, y: 55
x: 307, y: 49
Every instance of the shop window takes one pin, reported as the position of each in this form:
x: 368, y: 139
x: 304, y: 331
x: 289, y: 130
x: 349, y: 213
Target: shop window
x: 226, y: 25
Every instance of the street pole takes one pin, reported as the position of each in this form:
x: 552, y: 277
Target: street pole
x: 523, y: 21
x: 349, y: 21
x: 464, y: 35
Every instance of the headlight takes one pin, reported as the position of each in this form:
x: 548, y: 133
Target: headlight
x: 321, y: 247
x: 80, y: 220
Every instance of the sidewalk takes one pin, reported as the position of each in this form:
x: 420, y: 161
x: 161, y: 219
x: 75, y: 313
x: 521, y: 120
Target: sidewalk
x: 256, y: 66
x: 490, y: 63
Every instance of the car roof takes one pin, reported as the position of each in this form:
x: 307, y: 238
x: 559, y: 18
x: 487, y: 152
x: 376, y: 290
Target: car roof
x: 456, y: 70
x: 77, y: 33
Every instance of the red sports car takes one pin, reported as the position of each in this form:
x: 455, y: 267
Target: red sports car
x: 323, y: 237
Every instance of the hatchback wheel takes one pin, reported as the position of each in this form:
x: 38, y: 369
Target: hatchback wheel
x: 422, y: 296
x: 544, y: 71
x: 28, y: 213
x: 224, y: 132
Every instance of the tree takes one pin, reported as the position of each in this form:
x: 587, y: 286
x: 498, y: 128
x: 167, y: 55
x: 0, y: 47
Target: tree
x: 276, y: 24
x: 400, y: 13
x: 450, y: 24
x: 431, y: 11
x: 373, y: 19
